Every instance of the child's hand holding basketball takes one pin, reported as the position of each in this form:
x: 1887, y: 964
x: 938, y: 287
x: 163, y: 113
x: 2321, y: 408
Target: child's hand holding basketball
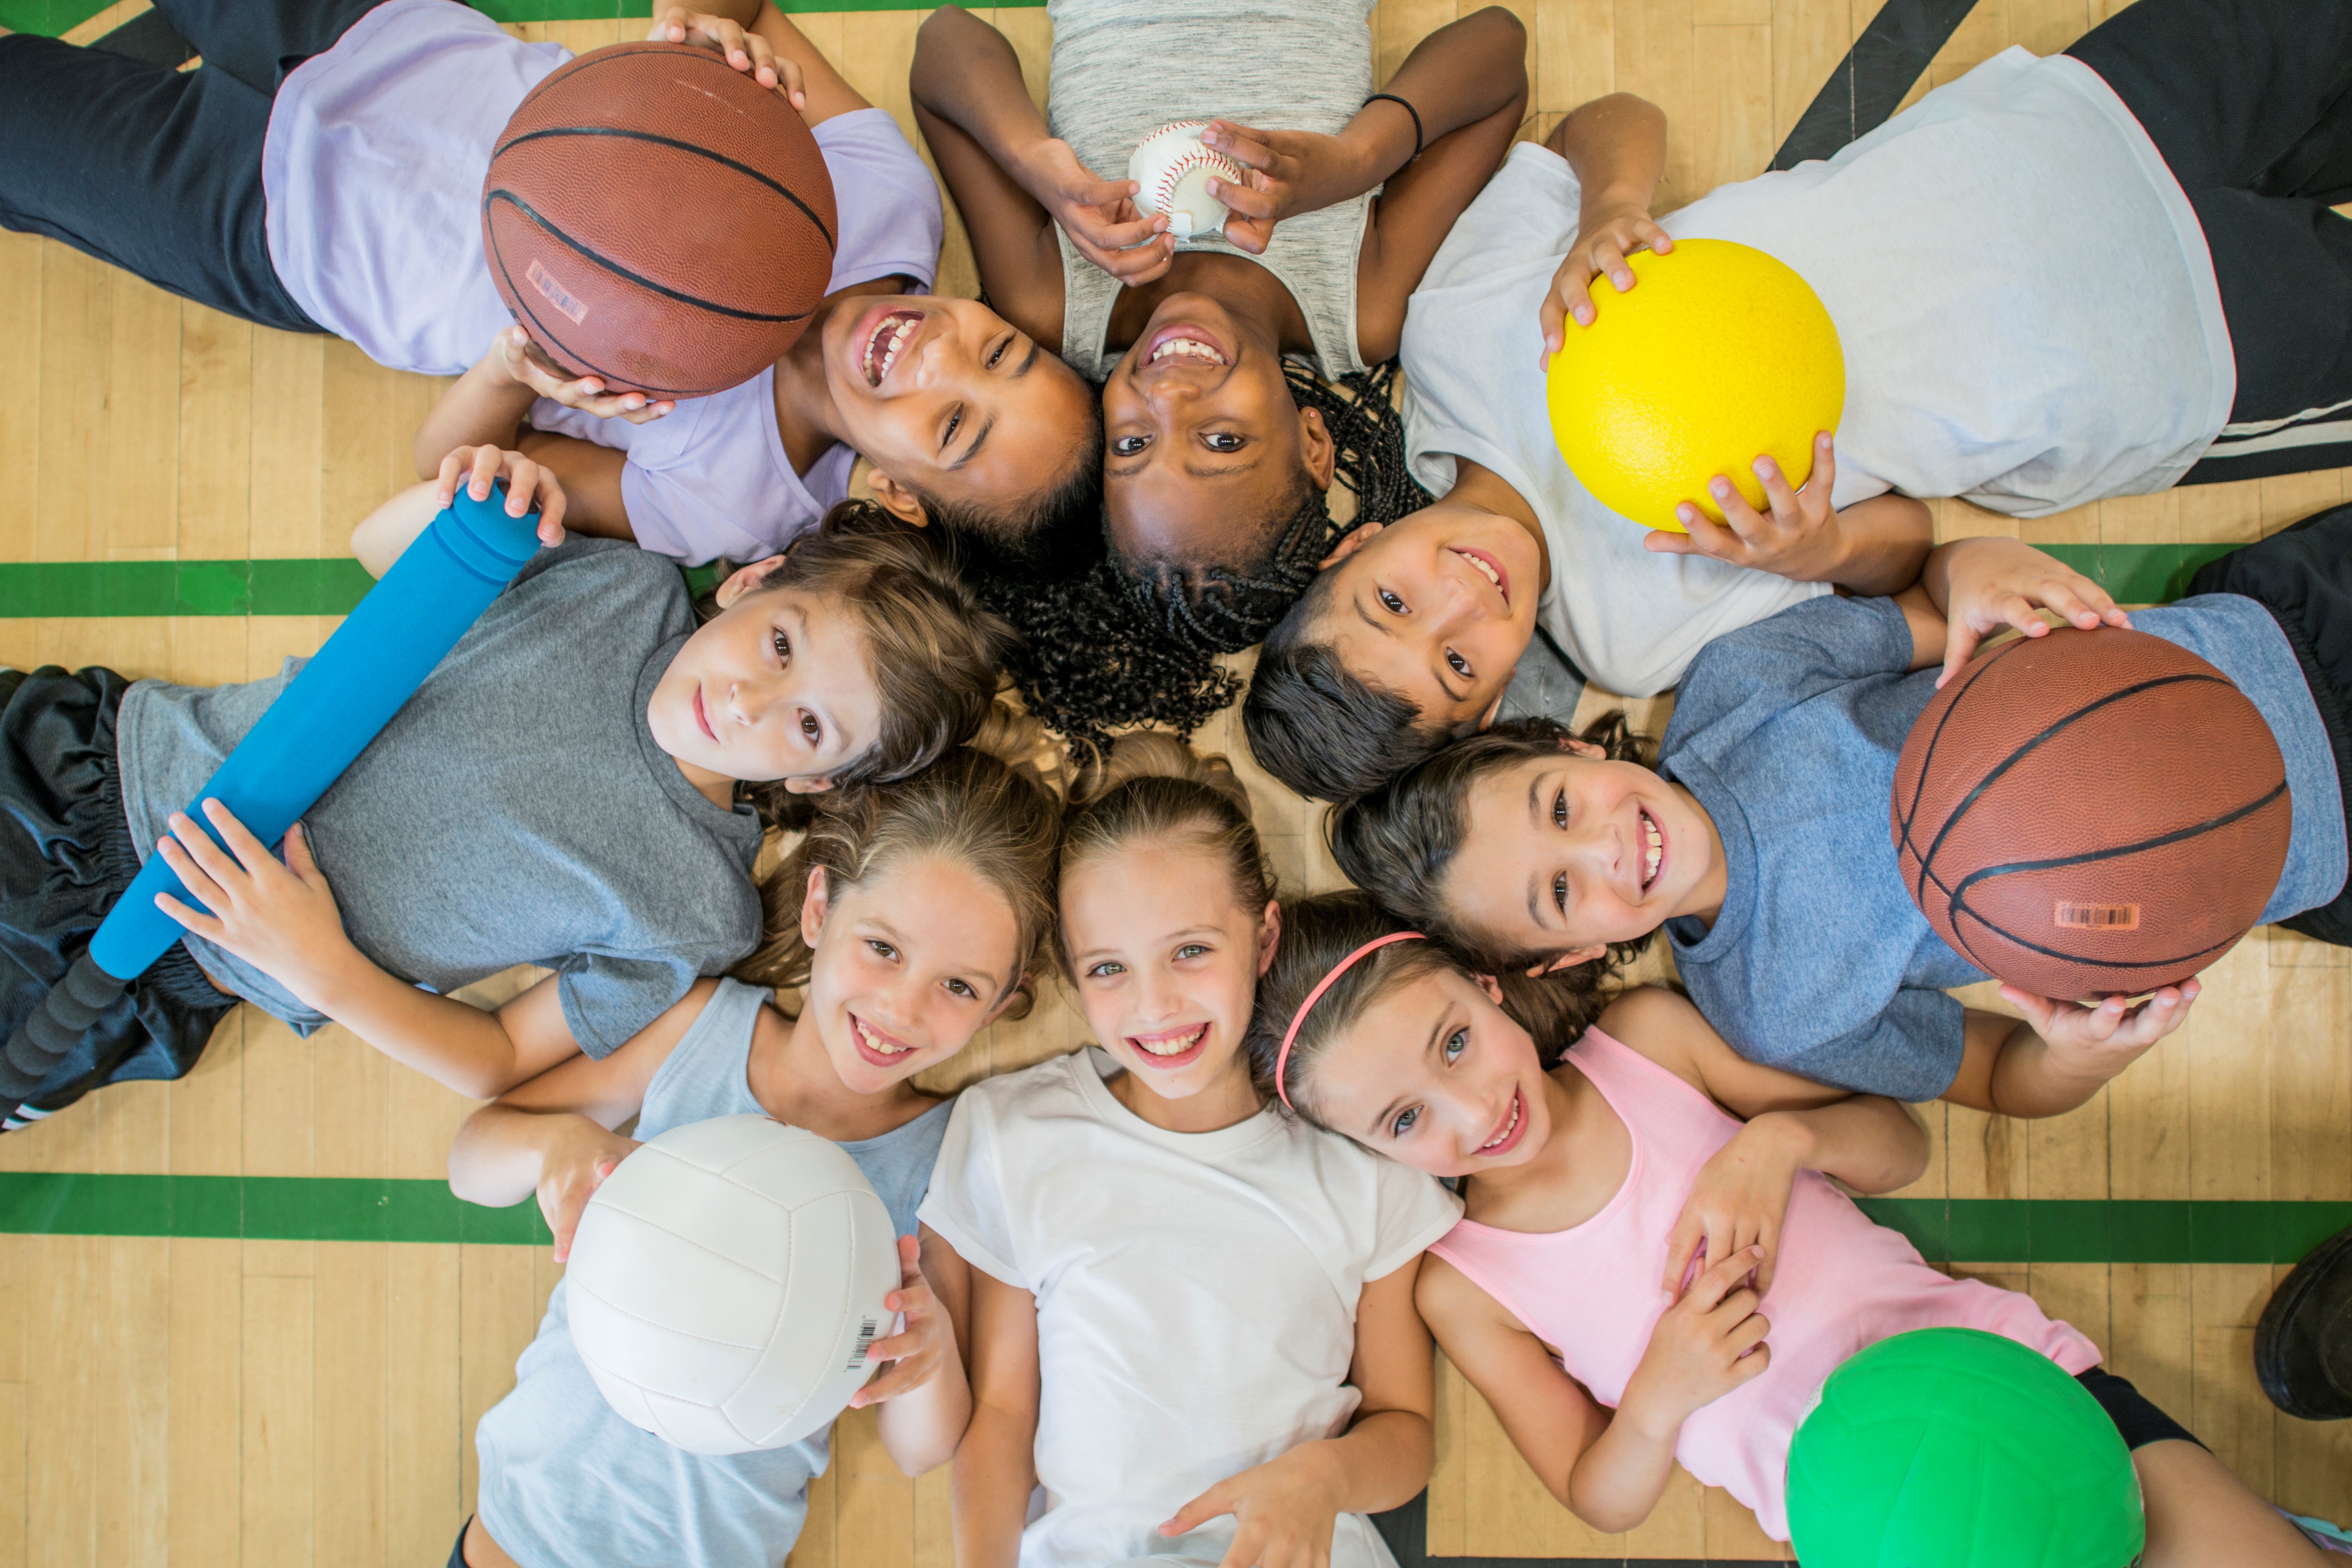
x: 1737, y: 1204
x: 2091, y: 1041
x: 741, y: 48
x: 1099, y: 215
x: 570, y: 1174
x: 518, y: 361
x: 1705, y: 1345
x: 917, y: 1351
x: 529, y: 486
x: 1990, y: 583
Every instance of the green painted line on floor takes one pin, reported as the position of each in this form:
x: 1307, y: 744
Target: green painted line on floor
x: 2140, y: 574
x: 326, y: 586
x: 331, y: 1209
x: 2102, y: 1230
x: 257, y: 1209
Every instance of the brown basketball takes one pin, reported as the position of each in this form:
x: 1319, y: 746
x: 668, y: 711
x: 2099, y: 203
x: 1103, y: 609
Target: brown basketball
x: 658, y: 219
x: 2091, y: 813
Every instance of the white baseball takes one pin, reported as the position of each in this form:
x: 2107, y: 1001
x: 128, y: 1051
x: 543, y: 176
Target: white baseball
x: 1172, y: 170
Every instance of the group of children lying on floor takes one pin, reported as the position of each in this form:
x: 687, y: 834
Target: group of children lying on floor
x: 1171, y: 1298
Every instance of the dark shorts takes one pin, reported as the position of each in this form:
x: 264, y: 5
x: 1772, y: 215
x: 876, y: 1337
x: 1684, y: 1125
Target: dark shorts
x: 2134, y: 1414
x: 159, y: 170
x: 66, y: 856
x: 457, y: 1553
x: 2302, y: 576
x: 2250, y: 104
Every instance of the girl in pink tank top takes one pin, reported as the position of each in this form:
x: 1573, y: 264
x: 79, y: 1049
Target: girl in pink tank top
x: 1642, y: 1276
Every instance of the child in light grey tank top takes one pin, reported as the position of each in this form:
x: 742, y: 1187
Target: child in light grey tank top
x: 927, y: 901
x: 1218, y: 454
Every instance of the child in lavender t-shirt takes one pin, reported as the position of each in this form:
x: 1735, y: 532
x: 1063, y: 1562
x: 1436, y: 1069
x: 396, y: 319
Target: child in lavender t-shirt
x: 322, y: 172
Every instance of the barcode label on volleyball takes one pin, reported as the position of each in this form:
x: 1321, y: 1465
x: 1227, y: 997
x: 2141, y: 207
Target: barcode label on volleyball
x: 2097, y: 916
x: 866, y: 1332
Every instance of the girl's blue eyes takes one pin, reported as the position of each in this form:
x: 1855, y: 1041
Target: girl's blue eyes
x: 1403, y: 1124
x: 1105, y: 970
x: 1455, y: 1044
x: 1192, y: 950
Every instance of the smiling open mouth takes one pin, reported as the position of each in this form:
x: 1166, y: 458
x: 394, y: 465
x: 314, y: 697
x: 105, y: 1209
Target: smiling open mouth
x: 1172, y: 1046
x: 1489, y: 568
x: 1502, y: 1141
x: 1186, y: 347
x: 1654, y: 849
x: 891, y: 335
x: 878, y: 1048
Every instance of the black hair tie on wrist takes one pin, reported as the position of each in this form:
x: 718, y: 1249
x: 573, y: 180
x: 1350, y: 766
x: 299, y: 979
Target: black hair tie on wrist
x: 1409, y: 110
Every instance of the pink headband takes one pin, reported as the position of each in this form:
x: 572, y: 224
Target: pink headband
x: 1282, y: 1058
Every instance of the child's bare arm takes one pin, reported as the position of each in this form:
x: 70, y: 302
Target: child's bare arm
x: 1286, y: 1508
x: 924, y: 1397
x: 1741, y: 1196
x: 1008, y: 174
x: 488, y: 406
x: 1468, y: 82
x: 995, y: 1465
x: 1617, y: 147
x: 2061, y: 1053
x: 553, y: 1135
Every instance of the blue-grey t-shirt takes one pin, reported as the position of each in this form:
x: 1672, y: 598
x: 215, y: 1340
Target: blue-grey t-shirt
x: 565, y: 1480
x: 1788, y: 732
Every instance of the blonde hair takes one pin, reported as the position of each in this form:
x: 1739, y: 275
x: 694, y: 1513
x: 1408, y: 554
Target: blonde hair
x: 1150, y: 784
x: 986, y: 806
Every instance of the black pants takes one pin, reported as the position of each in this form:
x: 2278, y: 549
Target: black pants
x: 157, y: 171
x: 2302, y: 576
x: 2250, y: 104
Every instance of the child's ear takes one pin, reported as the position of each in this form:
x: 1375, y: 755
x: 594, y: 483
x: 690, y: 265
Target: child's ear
x: 1316, y: 446
x: 1013, y: 992
x: 744, y: 581
x: 812, y: 907
x: 897, y: 499
x: 1569, y: 960
x: 1351, y: 541
x: 807, y: 785
x: 1269, y: 936
x: 1492, y: 986
x: 1583, y: 748
x: 1493, y: 711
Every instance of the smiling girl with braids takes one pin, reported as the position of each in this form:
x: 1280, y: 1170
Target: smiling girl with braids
x: 1217, y: 458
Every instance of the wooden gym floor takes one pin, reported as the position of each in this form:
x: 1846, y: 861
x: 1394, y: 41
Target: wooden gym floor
x: 242, y: 1321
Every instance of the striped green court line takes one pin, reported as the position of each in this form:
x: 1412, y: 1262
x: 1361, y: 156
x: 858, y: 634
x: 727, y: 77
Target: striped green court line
x: 257, y: 1209
x: 2135, y: 574
x: 327, y: 586
x: 304, y: 1208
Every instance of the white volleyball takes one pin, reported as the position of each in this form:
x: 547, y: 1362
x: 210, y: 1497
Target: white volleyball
x: 725, y: 1282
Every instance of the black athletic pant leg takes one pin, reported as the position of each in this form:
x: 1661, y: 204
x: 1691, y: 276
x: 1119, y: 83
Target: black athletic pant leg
x: 2250, y: 101
x: 157, y: 171
x: 2302, y: 576
x: 260, y: 42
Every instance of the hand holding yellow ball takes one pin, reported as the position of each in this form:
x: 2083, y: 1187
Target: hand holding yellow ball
x: 1719, y: 354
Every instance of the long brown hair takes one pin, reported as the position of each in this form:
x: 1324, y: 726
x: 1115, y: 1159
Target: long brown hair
x: 984, y: 806
x: 938, y: 653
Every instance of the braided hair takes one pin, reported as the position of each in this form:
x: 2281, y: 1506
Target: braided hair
x: 1223, y: 607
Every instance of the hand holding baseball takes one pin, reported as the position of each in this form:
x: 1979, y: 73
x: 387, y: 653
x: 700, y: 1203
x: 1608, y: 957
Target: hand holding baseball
x: 1099, y: 215
x: 1285, y: 173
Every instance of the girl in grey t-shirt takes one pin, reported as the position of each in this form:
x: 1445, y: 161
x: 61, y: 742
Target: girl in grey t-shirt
x: 914, y: 917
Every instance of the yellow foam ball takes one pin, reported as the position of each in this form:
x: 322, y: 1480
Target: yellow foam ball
x: 1720, y: 354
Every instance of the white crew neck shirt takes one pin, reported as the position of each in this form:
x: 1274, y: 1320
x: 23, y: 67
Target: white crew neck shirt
x: 1196, y: 1295
x: 2023, y: 294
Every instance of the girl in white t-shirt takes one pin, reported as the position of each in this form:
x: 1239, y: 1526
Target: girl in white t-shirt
x: 1192, y: 1316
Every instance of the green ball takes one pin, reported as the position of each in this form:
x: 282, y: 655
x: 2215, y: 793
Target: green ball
x: 1956, y: 1449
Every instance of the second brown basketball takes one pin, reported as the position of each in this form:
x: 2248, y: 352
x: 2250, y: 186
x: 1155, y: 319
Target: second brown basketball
x: 657, y: 219
x: 2091, y: 813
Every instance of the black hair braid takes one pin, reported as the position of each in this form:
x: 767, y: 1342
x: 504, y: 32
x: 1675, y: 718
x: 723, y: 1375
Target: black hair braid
x: 1225, y: 606
x: 1090, y: 663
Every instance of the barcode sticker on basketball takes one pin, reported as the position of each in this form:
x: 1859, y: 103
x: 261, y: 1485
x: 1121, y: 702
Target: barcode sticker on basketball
x: 545, y: 282
x: 867, y: 1330
x: 2097, y: 916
